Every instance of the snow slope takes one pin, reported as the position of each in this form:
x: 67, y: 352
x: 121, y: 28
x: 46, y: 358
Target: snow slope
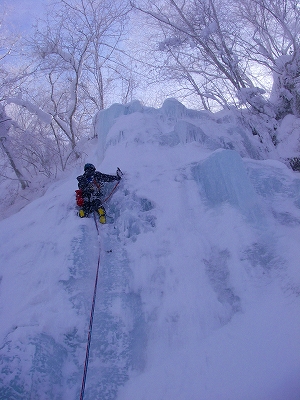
x: 198, y: 293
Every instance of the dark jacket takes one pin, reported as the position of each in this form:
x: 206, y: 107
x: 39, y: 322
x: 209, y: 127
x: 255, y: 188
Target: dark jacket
x: 93, y: 183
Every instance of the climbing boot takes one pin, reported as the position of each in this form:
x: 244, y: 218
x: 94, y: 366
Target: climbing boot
x: 81, y: 213
x: 101, y: 212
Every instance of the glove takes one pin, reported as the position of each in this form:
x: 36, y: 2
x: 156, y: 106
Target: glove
x: 119, y: 174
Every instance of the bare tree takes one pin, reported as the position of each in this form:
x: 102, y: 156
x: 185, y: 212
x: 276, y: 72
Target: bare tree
x: 5, y: 143
x: 8, y: 79
x: 203, y: 46
x: 275, y: 27
x: 219, y: 50
x: 73, y: 50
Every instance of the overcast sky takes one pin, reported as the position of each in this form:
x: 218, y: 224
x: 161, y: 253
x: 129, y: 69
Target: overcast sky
x: 21, y: 13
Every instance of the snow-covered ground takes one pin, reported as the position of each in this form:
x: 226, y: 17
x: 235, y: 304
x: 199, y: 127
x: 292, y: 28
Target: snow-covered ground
x: 199, y: 287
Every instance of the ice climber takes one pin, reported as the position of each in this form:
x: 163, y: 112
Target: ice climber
x: 89, y: 196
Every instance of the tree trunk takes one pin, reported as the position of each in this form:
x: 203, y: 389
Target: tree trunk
x: 22, y: 180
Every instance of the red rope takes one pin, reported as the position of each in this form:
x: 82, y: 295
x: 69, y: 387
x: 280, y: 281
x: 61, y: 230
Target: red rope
x: 111, y: 193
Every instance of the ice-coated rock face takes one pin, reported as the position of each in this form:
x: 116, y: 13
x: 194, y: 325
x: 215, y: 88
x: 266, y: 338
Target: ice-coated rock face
x: 223, y: 178
x: 188, y: 132
x: 172, y: 111
x: 105, y: 119
x: 171, y: 125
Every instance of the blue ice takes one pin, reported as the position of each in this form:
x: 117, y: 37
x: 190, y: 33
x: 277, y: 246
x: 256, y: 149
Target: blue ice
x: 222, y: 178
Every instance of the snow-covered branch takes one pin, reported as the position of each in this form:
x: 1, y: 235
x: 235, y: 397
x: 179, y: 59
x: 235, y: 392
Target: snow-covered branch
x: 42, y: 115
